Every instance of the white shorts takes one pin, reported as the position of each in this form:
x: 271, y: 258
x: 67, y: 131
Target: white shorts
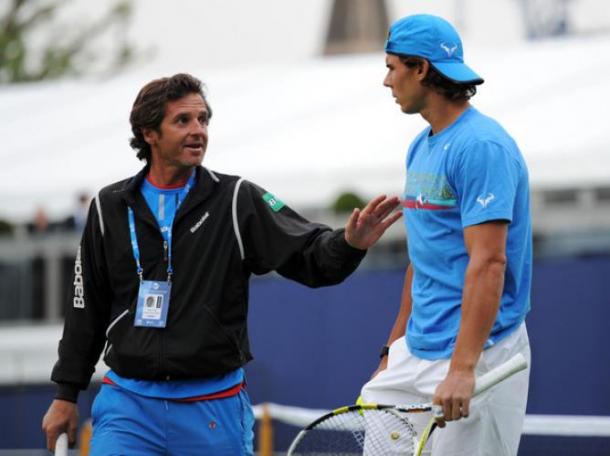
x: 494, y: 425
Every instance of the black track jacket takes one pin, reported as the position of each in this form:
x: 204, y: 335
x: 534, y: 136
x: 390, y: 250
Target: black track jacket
x: 223, y: 232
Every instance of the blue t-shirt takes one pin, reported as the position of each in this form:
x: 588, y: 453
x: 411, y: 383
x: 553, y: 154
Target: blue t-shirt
x: 469, y: 173
x: 164, y: 202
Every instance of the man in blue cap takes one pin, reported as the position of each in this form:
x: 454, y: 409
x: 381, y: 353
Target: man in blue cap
x: 467, y: 290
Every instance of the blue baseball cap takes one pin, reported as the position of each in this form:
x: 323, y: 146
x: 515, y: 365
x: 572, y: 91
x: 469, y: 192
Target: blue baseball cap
x: 434, y: 39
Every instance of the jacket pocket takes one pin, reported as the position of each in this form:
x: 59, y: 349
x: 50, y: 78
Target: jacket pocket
x: 131, y: 351
x: 201, y: 346
x: 229, y: 337
x: 112, y: 324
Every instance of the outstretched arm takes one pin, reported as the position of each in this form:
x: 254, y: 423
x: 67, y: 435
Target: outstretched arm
x: 275, y: 237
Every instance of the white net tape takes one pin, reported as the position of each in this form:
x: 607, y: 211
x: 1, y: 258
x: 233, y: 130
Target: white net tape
x: 565, y: 425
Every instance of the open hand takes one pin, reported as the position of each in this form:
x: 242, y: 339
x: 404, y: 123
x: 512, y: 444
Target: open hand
x: 365, y: 227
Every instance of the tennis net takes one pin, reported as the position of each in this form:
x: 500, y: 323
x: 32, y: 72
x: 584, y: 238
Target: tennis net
x: 543, y: 435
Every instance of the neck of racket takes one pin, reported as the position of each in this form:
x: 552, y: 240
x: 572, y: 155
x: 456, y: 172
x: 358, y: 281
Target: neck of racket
x: 516, y: 364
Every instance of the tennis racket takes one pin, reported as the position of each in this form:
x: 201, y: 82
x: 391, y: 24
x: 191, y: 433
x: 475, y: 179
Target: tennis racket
x: 382, y: 430
x: 61, y: 445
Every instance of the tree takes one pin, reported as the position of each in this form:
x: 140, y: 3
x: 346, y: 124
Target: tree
x: 346, y: 202
x: 66, y: 50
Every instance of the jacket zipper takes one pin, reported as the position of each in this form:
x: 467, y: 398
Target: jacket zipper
x: 160, y: 358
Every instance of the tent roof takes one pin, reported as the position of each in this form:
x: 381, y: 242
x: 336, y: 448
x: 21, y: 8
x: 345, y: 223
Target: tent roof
x: 308, y: 130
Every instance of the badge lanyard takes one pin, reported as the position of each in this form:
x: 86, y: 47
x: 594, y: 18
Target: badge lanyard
x: 134, y: 240
x: 154, y: 296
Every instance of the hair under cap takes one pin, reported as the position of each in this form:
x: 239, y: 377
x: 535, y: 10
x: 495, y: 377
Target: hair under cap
x: 436, y: 40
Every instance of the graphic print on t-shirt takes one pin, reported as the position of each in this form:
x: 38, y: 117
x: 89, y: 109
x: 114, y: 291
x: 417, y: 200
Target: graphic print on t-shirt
x: 428, y: 191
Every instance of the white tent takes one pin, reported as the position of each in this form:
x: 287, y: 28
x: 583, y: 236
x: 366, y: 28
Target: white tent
x: 307, y: 131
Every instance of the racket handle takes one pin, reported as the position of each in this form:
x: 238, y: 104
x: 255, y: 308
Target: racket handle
x: 61, y: 445
x: 516, y: 364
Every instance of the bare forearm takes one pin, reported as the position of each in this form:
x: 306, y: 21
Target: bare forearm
x: 400, y: 324
x: 483, y: 287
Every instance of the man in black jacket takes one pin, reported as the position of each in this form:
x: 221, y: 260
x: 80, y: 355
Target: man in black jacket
x: 161, y: 287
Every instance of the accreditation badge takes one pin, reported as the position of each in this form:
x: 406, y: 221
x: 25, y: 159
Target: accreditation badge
x: 153, y: 304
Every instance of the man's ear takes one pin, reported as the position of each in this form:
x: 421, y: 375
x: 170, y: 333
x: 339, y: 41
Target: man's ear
x: 150, y: 135
x: 422, y: 70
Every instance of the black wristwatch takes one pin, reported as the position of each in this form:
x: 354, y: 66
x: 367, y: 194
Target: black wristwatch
x: 384, y: 351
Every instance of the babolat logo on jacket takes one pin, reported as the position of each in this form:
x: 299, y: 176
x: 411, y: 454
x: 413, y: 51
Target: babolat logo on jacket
x: 79, y: 290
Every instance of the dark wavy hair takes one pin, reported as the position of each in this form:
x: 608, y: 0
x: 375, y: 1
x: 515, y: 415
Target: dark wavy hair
x: 148, y: 109
x: 451, y: 90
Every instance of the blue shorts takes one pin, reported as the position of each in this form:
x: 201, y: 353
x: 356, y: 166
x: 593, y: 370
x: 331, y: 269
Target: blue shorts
x: 125, y: 423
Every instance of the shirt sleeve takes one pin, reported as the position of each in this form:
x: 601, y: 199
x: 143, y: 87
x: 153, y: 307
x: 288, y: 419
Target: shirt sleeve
x: 86, y: 314
x: 486, y: 178
x: 277, y: 238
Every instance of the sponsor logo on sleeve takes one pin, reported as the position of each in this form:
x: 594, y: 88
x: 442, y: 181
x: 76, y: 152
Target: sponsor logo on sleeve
x: 79, y: 287
x: 274, y: 203
x: 485, y: 200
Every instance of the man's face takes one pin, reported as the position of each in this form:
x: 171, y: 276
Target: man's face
x: 405, y: 84
x: 182, y: 138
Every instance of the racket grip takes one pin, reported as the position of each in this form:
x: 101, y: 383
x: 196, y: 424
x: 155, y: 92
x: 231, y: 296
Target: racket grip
x: 61, y: 445
x: 516, y: 364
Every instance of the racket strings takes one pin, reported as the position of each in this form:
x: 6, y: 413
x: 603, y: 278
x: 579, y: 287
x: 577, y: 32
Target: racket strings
x: 371, y: 432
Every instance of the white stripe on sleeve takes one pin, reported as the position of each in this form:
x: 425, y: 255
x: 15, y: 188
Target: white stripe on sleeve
x: 235, y: 222
x: 98, y: 206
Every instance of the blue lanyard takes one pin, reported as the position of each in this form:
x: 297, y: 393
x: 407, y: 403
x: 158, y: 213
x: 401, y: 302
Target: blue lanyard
x: 134, y: 239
